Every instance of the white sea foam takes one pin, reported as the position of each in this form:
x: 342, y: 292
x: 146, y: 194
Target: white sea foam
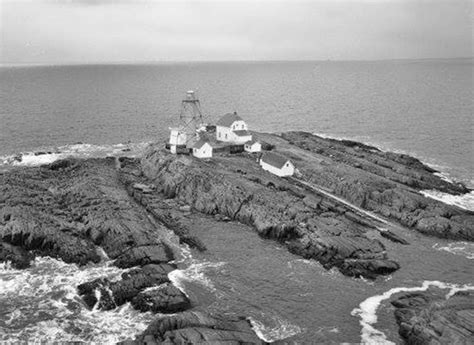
x: 47, y: 156
x: 194, y: 273
x: 41, y: 304
x: 282, y: 329
x: 465, y: 201
x: 465, y: 249
x: 443, y: 176
x: 367, y: 310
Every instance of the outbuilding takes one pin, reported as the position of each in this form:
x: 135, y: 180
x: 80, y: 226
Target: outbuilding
x: 177, y: 139
x: 202, y: 149
x: 232, y: 128
x: 177, y: 136
x: 253, y: 146
x: 277, y: 164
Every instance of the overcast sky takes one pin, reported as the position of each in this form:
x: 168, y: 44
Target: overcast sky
x: 87, y: 31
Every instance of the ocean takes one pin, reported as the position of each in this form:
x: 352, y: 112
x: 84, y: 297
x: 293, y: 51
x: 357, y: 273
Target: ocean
x: 420, y: 107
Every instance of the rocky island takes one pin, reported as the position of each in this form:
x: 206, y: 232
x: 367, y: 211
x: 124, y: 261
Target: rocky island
x: 344, y: 202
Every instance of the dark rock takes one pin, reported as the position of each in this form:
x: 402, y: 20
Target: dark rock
x: 429, y: 318
x: 267, y: 146
x: 393, y: 237
x: 144, y: 255
x: 18, y: 257
x: 199, y: 328
x: 25, y: 227
x: 134, y: 282
x: 164, y: 298
x: 368, y: 268
x: 137, y: 280
x: 383, y: 182
x: 97, y: 292
x: 64, y: 164
x: 162, y: 210
x: 217, y: 187
x: 69, y: 208
x: 193, y: 242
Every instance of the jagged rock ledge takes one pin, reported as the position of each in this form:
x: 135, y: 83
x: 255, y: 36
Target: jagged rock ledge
x: 234, y: 186
x: 75, y: 209
x: 431, y: 318
x: 384, y: 182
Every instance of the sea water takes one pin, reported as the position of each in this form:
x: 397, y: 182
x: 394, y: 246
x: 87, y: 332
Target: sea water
x: 421, y: 107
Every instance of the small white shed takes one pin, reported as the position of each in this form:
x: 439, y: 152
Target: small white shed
x: 202, y: 149
x: 253, y: 146
x: 276, y: 164
x: 177, y: 136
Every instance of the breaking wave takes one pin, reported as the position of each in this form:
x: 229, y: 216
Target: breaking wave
x: 194, y: 273
x: 76, y: 150
x: 41, y: 304
x: 465, y: 249
x: 282, y: 329
x: 465, y: 201
x: 367, y: 310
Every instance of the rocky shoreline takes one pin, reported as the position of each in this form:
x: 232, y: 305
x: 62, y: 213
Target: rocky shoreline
x: 130, y: 208
x: 431, y: 318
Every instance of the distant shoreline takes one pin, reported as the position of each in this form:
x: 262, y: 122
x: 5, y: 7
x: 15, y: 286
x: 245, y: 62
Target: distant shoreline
x: 148, y: 63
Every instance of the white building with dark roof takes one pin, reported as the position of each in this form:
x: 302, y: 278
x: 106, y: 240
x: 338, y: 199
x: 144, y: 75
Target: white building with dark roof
x: 202, y: 149
x: 232, y: 128
x: 253, y: 146
x: 276, y: 164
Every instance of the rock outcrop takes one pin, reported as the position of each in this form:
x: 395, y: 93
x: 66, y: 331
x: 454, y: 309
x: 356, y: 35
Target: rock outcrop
x: 71, y: 209
x: 430, y: 318
x: 384, y: 182
x: 75, y: 210
x: 166, y: 211
x: 234, y: 186
x: 18, y: 257
x: 147, y: 288
x: 198, y: 328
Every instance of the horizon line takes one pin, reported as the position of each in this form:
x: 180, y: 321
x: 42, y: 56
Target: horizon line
x: 170, y: 62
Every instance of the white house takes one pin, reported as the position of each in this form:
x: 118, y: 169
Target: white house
x: 202, y: 149
x: 276, y: 164
x: 231, y: 128
x: 253, y: 146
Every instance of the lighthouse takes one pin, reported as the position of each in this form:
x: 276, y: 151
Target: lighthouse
x: 190, y: 120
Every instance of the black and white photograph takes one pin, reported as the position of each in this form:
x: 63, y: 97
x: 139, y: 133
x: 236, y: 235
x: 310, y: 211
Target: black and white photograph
x: 237, y: 172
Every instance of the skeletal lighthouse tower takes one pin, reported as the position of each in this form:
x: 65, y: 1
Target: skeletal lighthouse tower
x: 190, y: 117
x: 190, y: 120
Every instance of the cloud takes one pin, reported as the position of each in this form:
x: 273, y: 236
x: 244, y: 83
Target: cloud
x: 103, y: 31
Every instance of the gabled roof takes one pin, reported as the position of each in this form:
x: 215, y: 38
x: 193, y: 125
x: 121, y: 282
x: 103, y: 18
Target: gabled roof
x: 200, y: 143
x: 228, y: 119
x: 251, y: 142
x: 242, y: 133
x: 274, y: 159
